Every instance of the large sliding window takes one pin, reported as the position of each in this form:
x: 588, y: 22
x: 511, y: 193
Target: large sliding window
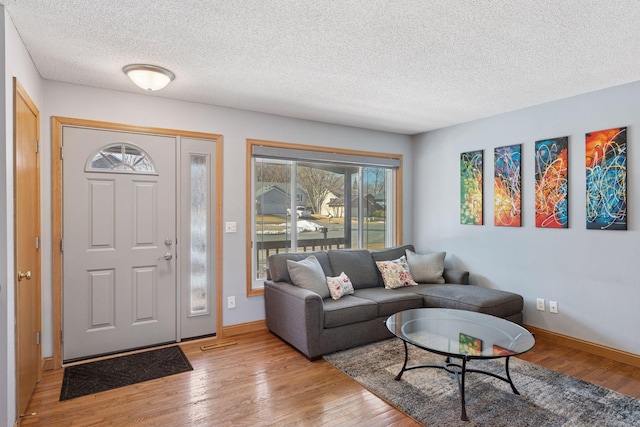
x: 304, y: 198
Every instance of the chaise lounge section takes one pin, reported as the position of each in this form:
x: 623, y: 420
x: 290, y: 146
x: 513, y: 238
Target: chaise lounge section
x: 314, y: 323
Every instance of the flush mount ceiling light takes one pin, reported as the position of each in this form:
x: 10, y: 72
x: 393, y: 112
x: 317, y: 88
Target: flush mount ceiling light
x: 149, y: 77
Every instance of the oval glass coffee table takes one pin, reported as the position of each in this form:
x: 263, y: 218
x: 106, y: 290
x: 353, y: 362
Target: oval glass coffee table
x: 460, y: 336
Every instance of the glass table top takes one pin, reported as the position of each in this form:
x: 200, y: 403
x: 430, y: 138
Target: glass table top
x: 460, y: 333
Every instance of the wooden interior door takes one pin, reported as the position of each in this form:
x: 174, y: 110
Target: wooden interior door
x: 27, y: 245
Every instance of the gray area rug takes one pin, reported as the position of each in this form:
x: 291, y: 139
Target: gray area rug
x: 431, y: 396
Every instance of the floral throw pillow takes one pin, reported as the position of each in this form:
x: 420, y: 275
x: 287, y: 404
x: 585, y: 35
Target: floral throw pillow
x: 340, y: 286
x: 395, y: 274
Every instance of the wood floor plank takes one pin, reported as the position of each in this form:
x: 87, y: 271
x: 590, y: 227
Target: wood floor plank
x: 263, y: 381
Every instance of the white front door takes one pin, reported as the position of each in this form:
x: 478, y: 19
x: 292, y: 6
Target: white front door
x: 119, y: 240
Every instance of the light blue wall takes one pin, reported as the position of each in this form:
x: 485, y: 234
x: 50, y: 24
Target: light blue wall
x: 590, y: 273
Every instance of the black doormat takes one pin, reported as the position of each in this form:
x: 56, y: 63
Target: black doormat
x: 94, y: 377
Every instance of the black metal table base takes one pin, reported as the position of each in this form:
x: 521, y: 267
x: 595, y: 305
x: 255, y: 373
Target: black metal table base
x: 460, y: 371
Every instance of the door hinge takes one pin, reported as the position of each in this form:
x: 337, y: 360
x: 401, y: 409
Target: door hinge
x: 37, y: 146
x: 61, y: 245
x: 38, y: 338
x: 61, y: 152
x: 37, y: 242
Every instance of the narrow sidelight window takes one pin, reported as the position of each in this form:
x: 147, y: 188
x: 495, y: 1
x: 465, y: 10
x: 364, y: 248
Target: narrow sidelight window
x: 199, y: 230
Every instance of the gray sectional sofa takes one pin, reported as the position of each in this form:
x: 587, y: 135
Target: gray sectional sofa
x: 315, y: 325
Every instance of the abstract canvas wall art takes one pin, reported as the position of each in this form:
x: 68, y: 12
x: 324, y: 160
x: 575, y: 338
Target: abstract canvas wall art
x: 507, y: 192
x: 471, y: 187
x: 552, y: 183
x: 606, y: 167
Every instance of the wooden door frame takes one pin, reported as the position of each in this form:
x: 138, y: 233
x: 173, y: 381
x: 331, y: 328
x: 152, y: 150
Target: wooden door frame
x: 57, y: 123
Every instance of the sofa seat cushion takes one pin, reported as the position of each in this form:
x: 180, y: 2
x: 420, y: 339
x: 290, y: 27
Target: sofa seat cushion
x: 348, y: 309
x: 389, y: 301
x: 471, y: 298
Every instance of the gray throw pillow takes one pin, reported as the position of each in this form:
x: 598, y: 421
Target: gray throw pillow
x: 308, y: 274
x: 427, y: 268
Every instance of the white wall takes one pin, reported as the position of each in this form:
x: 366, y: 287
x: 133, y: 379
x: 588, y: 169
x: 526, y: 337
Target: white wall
x: 591, y: 273
x: 15, y: 62
x: 236, y: 126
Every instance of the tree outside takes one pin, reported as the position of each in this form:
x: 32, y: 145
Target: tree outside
x: 318, y: 184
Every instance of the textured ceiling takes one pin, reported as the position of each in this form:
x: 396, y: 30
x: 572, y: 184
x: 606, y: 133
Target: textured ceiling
x: 404, y: 66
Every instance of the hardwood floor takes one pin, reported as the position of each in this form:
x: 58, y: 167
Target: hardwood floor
x: 262, y: 381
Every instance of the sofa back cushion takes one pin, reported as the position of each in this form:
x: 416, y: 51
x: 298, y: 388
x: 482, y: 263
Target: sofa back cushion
x: 357, y: 264
x: 388, y: 254
x: 278, y: 271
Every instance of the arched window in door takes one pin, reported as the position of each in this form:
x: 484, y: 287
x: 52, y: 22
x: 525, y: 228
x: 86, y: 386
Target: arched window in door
x: 122, y: 157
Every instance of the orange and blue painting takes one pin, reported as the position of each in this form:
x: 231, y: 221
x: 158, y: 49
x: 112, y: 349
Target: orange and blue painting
x: 507, y: 193
x: 606, y: 167
x: 471, y: 187
x: 552, y: 183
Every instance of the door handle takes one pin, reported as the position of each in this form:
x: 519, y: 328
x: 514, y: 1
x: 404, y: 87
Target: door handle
x: 22, y: 275
x: 168, y: 256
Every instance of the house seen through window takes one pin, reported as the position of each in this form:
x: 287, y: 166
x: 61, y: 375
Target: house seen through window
x: 311, y: 200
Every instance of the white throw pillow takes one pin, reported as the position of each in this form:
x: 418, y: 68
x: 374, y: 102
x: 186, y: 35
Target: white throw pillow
x: 427, y: 268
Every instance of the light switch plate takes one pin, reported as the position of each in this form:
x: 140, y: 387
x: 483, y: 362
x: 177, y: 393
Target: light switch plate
x: 230, y: 227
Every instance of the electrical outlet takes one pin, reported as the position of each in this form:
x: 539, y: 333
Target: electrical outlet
x: 231, y: 302
x: 540, y: 304
x: 553, y: 306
